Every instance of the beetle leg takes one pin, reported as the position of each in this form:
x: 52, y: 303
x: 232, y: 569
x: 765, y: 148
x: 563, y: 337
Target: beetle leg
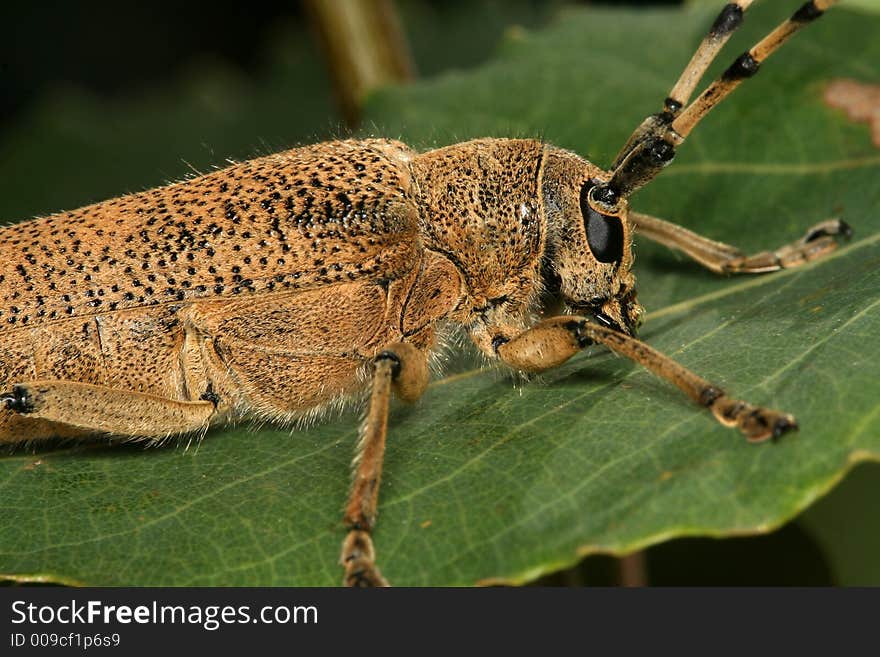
x: 15, y: 428
x: 818, y: 241
x: 94, y: 408
x: 403, y: 369
x: 553, y: 341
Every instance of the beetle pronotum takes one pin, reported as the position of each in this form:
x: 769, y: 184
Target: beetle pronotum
x: 278, y: 286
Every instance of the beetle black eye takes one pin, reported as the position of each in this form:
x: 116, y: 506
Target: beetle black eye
x: 604, y: 232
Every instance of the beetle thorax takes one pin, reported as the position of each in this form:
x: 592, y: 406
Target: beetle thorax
x: 480, y: 206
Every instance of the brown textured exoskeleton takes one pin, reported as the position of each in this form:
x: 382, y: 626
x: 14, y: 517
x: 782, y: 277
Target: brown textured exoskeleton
x: 282, y: 286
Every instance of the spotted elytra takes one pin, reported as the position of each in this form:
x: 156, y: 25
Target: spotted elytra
x: 277, y: 287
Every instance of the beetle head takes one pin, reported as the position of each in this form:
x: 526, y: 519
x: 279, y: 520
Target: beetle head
x: 588, y: 257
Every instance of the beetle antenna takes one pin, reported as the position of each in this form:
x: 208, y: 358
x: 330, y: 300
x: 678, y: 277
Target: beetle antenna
x: 745, y: 66
x: 652, y: 145
x: 723, y: 27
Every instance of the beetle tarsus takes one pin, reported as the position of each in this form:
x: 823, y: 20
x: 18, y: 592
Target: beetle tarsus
x: 18, y: 400
x: 756, y: 423
x: 210, y: 396
x: 830, y: 228
x: 358, y: 559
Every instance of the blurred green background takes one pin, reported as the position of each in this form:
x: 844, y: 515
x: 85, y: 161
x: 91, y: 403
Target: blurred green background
x: 99, y: 99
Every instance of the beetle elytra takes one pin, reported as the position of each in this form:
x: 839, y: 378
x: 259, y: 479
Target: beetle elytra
x: 277, y: 287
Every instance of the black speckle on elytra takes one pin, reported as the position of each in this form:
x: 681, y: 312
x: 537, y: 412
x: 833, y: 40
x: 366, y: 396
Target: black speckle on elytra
x: 100, y: 256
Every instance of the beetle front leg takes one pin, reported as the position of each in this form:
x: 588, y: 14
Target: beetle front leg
x: 403, y: 369
x: 553, y: 341
x: 818, y: 241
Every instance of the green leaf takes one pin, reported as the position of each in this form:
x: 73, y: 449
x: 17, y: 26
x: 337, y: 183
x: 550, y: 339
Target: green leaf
x: 864, y: 5
x: 487, y: 481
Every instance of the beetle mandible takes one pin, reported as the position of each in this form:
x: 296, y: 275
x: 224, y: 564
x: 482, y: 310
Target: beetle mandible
x: 278, y: 287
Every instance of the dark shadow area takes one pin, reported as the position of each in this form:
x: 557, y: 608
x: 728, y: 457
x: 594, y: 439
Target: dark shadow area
x: 110, y: 48
x: 787, y: 557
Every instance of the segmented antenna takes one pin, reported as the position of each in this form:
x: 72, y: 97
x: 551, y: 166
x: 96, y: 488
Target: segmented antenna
x: 652, y: 145
x: 745, y: 66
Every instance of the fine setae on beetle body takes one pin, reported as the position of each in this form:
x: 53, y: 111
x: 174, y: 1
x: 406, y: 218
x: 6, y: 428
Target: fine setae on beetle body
x: 286, y: 285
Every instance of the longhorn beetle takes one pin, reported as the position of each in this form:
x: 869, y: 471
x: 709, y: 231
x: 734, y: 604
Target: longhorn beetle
x: 280, y: 286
